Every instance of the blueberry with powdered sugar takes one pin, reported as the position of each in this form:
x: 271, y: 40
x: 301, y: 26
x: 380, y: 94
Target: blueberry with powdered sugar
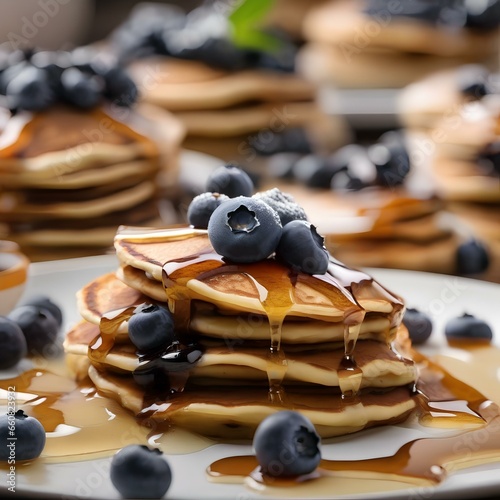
x: 283, y: 203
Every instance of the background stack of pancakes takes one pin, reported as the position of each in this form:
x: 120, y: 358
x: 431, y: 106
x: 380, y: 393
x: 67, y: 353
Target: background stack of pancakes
x: 390, y: 228
x: 236, y: 102
x: 226, y: 315
x: 70, y: 177
x: 457, y: 131
x: 374, y: 43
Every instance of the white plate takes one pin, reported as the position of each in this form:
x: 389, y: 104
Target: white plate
x: 442, y: 297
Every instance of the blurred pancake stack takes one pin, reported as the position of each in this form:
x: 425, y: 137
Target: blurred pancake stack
x: 236, y: 101
x: 379, y: 44
x: 454, y: 117
x: 375, y: 207
x: 77, y: 158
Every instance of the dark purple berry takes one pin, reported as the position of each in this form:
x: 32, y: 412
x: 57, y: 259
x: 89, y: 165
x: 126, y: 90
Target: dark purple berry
x: 244, y: 230
x: 391, y: 159
x: 30, y: 90
x: 419, y: 325
x: 284, y: 204
x: 472, y: 81
x: 468, y: 327
x: 158, y: 373
x: 302, y: 248
x: 231, y: 181
x: 151, y: 327
x: 81, y: 89
x: 39, y: 326
x: 45, y: 302
x: 12, y: 344
x: 472, y: 258
x: 202, y: 207
x: 29, y: 437
x: 119, y: 87
x: 287, y: 444
x: 140, y: 472
x: 483, y: 15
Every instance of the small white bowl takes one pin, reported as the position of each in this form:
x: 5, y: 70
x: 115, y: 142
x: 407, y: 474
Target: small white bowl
x: 13, y: 275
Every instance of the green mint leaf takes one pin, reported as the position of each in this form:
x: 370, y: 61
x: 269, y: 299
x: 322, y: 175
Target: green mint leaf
x: 246, y: 21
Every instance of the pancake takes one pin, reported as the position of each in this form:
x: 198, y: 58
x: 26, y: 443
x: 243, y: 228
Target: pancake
x: 182, y: 85
x: 368, y: 68
x: 328, y: 345
x: 246, y: 407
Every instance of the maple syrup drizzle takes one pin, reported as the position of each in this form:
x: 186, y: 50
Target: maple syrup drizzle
x: 420, y: 461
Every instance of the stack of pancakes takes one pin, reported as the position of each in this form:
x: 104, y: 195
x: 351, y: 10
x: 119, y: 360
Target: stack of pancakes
x: 466, y: 168
x: 394, y: 228
x: 371, y: 44
x: 234, y: 115
x: 69, y: 177
x: 442, y: 95
x: 253, y: 339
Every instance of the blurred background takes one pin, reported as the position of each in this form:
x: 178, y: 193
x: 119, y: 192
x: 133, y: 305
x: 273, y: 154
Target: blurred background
x: 380, y: 118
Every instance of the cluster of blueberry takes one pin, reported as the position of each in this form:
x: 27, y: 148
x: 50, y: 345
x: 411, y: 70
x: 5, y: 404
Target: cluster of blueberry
x: 351, y: 168
x: 484, y: 15
x: 35, y: 80
x: 464, y: 327
x: 247, y: 228
x: 202, y: 35
x: 138, y: 471
x: 28, y: 329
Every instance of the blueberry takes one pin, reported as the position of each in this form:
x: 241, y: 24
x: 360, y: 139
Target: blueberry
x: 53, y: 63
x: 472, y: 81
x: 468, y: 327
x: 302, y: 248
x: 9, y: 72
x: 281, y: 164
x: 39, y: 326
x: 418, y: 9
x: 343, y: 180
x: 419, y: 325
x: 472, y: 258
x: 284, y: 204
x: 30, y: 90
x: 340, y: 171
x: 287, y: 444
x: 151, y: 327
x: 231, y: 181
x: 29, y: 434
x: 391, y: 159
x: 12, y: 344
x: 244, y: 230
x: 119, y: 87
x: 140, y: 472
x: 313, y: 171
x: 155, y: 373
x: 143, y: 32
x: 483, y: 15
x: 45, y: 302
x: 202, y: 207
x: 81, y: 89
